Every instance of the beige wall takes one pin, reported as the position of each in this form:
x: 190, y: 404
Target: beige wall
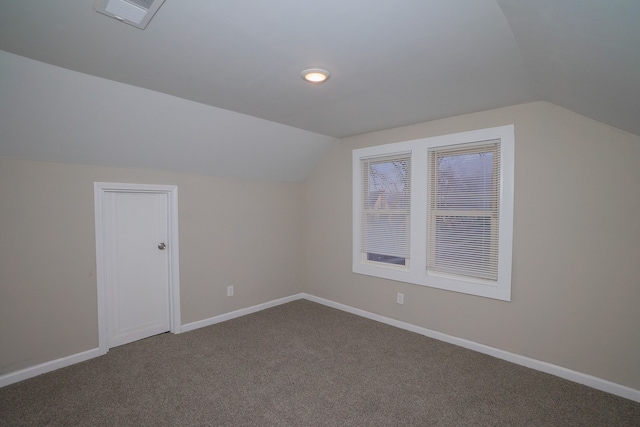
x: 576, y: 272
x: 232, y: 232
x: 576, y: 267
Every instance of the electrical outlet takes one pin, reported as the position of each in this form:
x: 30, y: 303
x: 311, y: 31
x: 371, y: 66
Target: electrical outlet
x: 400, y: 298
x: 230, y: 291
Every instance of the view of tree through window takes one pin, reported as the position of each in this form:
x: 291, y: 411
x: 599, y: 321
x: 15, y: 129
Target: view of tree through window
x: 437, y: 211
x: 387, y: 210
x: 464, y: 212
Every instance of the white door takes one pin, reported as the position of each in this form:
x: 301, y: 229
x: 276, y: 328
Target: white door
x: 136, y: 261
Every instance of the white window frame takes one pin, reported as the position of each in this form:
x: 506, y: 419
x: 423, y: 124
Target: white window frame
x: 416, y: 271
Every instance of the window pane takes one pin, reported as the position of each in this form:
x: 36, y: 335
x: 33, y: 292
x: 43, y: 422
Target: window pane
x: 386, y: 211
x: 386, y: 258
x: 463, y: 210
x: 465, y: 181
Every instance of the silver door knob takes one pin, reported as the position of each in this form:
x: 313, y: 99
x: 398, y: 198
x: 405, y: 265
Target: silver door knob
x: 162, y: 246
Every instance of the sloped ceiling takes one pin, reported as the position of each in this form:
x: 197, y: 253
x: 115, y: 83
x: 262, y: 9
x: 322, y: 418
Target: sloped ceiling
x: 393, y: 63
x: 583, y: 55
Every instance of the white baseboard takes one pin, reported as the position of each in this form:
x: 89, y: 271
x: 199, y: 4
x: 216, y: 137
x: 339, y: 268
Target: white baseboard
x: 43, y: 368
x: 559, y: 371
x: 238, y: 313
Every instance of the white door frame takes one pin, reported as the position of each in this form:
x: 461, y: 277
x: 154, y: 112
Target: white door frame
x: 100, y: 188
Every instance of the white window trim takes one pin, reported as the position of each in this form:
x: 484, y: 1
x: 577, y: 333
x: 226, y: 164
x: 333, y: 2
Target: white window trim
x: 416, y: 271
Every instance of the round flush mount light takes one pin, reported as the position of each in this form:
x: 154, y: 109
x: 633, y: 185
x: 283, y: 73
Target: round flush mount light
x: 316, y: 75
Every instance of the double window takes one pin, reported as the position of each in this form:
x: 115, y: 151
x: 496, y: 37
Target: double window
x: 437, y: 211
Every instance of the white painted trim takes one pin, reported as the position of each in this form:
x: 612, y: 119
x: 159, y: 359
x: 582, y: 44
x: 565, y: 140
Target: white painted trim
x: 43, y: 368
x: 417, y: 272
x: 558, y: 371
x: 238, y: 313
x: 100, y: 188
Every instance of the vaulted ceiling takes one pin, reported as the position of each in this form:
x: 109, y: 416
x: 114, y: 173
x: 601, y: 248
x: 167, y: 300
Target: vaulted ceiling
x: 393, y: 63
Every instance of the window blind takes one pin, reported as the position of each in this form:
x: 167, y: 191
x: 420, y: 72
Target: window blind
x: 463, y: 210
x: 386, y: 198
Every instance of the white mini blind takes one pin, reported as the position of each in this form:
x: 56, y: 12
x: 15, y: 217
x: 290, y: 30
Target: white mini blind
x: 463, y: 210
x: 386, y: 207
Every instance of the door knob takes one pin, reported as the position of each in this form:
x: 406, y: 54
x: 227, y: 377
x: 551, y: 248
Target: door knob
x: 162, y: 246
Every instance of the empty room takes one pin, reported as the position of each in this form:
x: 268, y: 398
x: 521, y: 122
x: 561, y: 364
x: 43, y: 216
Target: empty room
x: 356, y: 212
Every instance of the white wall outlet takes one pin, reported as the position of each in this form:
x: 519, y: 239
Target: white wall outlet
x: 400, y: 298
x: 230, y: 291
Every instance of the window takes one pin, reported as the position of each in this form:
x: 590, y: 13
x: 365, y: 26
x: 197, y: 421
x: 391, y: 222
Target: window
x: 437, y: 211
x: 386, y: 209
x: 463, y: 212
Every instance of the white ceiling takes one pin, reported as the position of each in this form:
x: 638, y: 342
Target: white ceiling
x: 583, y: 55
x: 393, y: 63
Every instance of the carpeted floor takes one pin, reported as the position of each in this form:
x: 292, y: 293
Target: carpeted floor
x: 304, y: 364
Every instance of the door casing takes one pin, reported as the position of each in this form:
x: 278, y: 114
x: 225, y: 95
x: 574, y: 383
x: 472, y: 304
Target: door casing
x: 100, y: 189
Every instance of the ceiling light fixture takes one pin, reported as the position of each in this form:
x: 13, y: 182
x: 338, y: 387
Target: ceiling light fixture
x: 316, y: 75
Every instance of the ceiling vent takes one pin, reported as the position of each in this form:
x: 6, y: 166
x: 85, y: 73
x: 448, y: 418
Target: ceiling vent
x: 133, y: 12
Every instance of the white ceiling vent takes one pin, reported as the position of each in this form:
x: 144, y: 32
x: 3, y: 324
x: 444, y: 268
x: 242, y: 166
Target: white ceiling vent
x: 133, y: 12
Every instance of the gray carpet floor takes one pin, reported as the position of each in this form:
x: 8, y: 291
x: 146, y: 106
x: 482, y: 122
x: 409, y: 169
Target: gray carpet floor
x: 304, y: 364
